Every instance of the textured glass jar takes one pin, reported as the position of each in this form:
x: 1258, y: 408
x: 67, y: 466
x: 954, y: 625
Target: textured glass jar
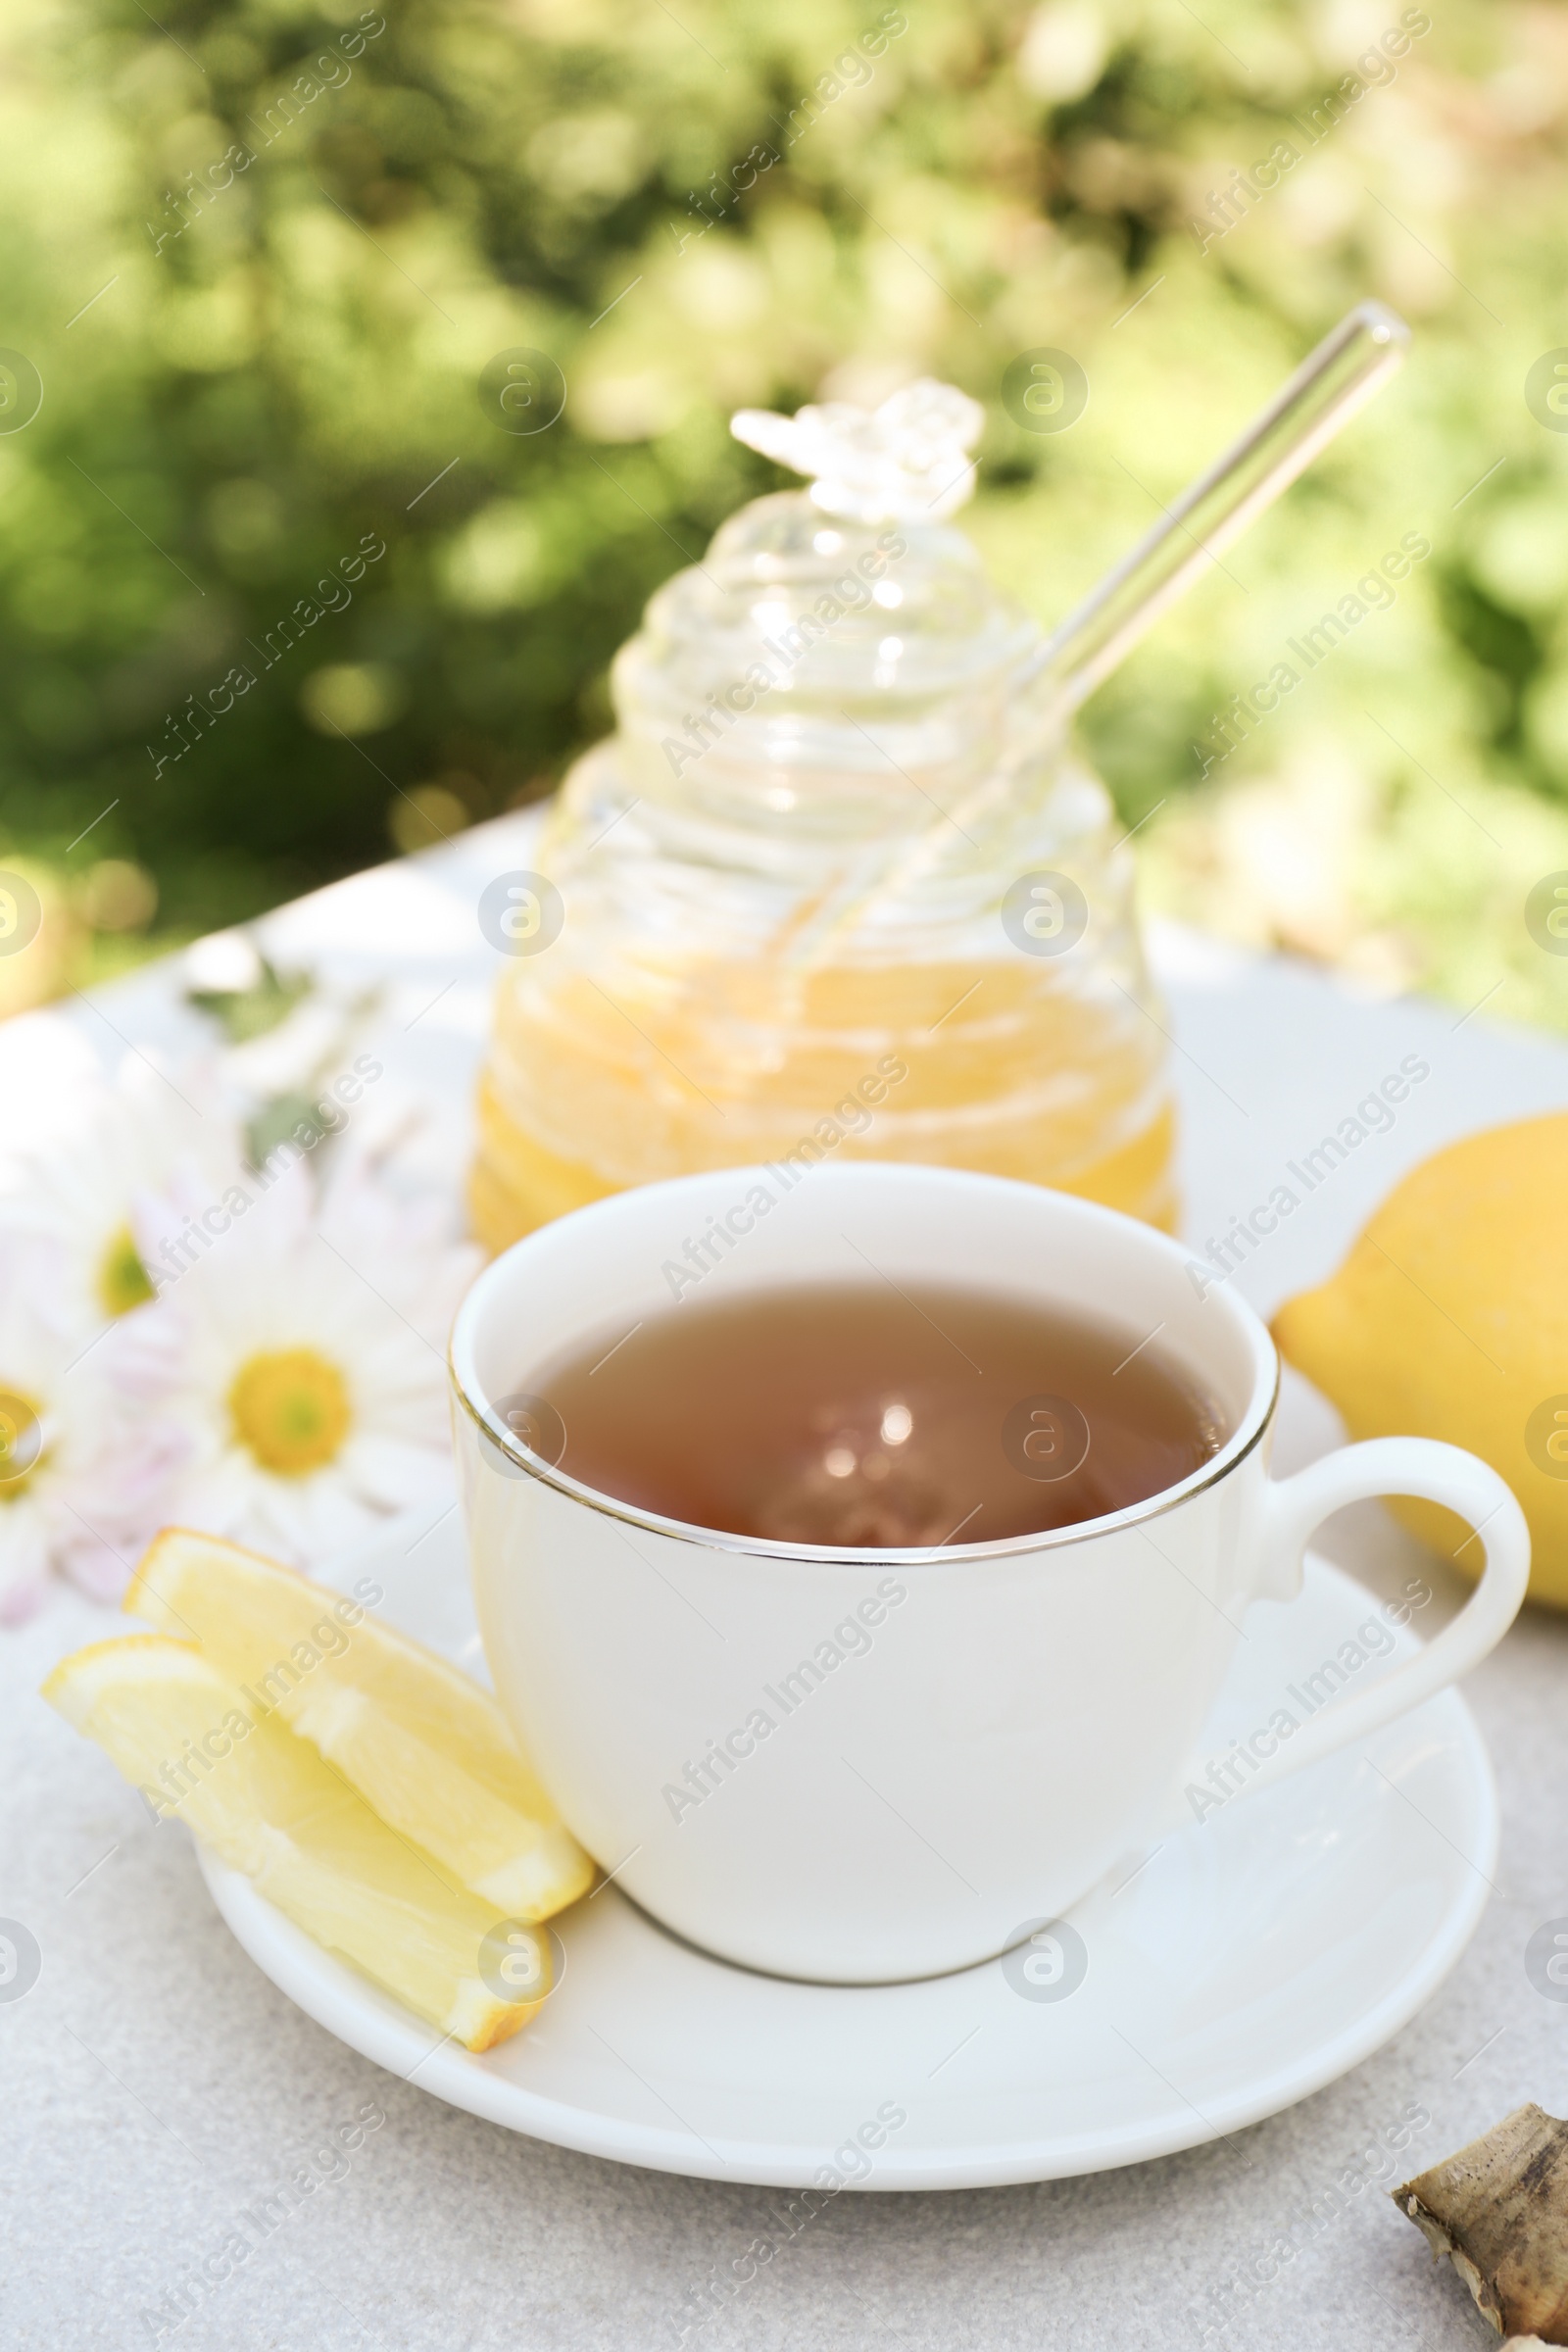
x: 837, y: 887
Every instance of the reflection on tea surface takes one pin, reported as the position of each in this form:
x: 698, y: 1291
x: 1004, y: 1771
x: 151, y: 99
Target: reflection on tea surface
x: 872, y: 1416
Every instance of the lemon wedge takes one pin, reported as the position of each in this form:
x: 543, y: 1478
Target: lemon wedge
x: 425, y: 1747
x: 269, y: 1805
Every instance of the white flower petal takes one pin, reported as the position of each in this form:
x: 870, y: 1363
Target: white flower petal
x: 374, y: 1304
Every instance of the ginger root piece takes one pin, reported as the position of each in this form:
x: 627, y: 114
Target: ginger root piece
x: 1498, y: 2210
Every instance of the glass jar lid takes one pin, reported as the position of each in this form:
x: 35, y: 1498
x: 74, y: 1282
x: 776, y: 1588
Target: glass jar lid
x: 850, y: 609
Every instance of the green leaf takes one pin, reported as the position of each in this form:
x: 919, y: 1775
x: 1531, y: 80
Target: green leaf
x: 247, y: 1013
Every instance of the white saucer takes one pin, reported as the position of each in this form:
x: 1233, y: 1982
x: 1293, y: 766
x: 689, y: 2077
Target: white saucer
x: 1251, y: 1960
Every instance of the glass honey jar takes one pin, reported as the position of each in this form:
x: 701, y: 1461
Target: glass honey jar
x: 840, y: 884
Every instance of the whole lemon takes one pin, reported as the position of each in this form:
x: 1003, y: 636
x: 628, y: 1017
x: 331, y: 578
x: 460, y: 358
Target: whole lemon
x: 1449, y: 1319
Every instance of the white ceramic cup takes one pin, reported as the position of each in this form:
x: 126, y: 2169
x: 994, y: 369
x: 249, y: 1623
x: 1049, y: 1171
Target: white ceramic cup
x: 858, y: 1767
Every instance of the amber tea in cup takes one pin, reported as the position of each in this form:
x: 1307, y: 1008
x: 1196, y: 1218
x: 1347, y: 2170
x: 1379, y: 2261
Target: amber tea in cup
x: 876, y: 1417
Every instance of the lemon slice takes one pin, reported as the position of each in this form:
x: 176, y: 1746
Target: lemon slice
x: 423, y: 1744
x: 269, y: 1805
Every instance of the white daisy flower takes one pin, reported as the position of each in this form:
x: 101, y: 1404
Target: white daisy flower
x: 82, y: 1487
x: 303, y: 1356
x: 128, y: 1140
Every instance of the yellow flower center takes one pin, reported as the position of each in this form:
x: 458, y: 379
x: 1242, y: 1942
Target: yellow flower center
x: 121, y: 1280
x: 291, y: 1408
x: 21, y: 1441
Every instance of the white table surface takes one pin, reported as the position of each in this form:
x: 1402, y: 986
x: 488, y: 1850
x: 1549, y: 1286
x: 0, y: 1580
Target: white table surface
x: 156, y: 2084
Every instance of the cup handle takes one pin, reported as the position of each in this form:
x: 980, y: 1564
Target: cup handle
x: 1295, y: 1507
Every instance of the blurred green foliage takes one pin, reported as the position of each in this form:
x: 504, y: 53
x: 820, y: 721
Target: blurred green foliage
x: 253, y: 368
